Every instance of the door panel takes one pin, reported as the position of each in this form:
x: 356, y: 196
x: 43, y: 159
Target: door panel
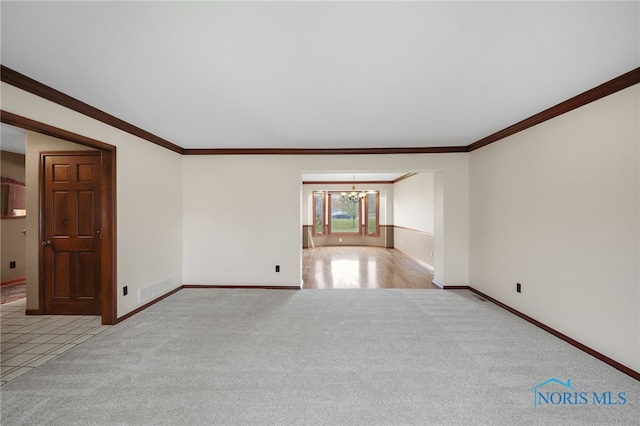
x: 86, y: 226
x: 60, y: 173
x: 86, y: 272
x: 60, y: 209
x: 71, y: 233
x: 61, y: 283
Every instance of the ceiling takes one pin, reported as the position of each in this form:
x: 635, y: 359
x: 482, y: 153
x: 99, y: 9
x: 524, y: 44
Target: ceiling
x: 321, y: 74
x: 12, y: 139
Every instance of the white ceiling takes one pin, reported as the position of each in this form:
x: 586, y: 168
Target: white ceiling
x: 12, y: 139
x: 321, y: 74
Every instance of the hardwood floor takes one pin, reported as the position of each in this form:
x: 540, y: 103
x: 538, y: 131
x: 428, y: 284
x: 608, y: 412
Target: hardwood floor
x: 11, y: 292
x: 362, y: 267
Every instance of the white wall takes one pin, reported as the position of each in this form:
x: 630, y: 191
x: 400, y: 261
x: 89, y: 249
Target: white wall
x: 414, y: 208
x: 241, y: 218
x: 149, y: 195
x: 265, y: 228
x: 451, y: 218
x: 413, y: 202
x: 556, y: 208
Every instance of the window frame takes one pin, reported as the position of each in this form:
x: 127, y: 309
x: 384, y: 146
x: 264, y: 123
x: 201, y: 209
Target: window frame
x: 323, y: 216
x: 363, y: 215
x: 366, y: 218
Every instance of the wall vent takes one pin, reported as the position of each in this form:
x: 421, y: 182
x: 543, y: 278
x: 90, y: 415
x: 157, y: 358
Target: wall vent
x: 149, y: 292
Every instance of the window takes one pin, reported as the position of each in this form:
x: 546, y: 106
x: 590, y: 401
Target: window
x: 335, y: 215
x: 345, y: 215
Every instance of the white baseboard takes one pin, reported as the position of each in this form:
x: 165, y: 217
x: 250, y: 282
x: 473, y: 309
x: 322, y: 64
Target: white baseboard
x: 424, y: 264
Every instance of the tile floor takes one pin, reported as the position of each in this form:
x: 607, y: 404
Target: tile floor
x: 29, y: 341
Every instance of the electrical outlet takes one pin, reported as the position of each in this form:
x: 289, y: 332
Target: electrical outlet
x: 12, y: 264
x: 277, y: 268
x: 339, y: 239
x: 125, y: 290
x: 518, y: 288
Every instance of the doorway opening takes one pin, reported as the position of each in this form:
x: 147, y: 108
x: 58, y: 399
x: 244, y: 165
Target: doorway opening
x: 13, y: 214
x: 394, y: 226
x: 107, y: 284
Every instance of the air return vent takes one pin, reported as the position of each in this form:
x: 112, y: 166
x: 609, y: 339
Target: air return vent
x: 149, y: 292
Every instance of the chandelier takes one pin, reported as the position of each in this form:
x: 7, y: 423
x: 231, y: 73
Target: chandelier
x: 353, y: 196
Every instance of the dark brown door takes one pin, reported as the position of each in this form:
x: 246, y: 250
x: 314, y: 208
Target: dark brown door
x: 71, y: 233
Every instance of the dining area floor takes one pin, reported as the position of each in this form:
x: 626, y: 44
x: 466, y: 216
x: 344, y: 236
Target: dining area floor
x: 362, y: 267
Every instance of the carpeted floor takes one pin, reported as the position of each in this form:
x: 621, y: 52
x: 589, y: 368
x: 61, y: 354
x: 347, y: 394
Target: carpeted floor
x: 330, y: 357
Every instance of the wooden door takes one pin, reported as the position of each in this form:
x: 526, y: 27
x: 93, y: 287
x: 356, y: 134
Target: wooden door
x: 71, y: 233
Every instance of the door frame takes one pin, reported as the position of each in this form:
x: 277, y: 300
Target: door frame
x: 108, y: 284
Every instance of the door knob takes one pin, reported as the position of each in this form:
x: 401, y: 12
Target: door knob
x: 47, y: 243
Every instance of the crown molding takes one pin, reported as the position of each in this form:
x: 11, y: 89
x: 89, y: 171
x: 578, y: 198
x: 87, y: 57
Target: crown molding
x: 45, y: 129
x: 360, y: 182
x: 324, y: 151
x: 403, y: 177
x: 605, y: 89
x: 21, y: 81
x: 345, y: 182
